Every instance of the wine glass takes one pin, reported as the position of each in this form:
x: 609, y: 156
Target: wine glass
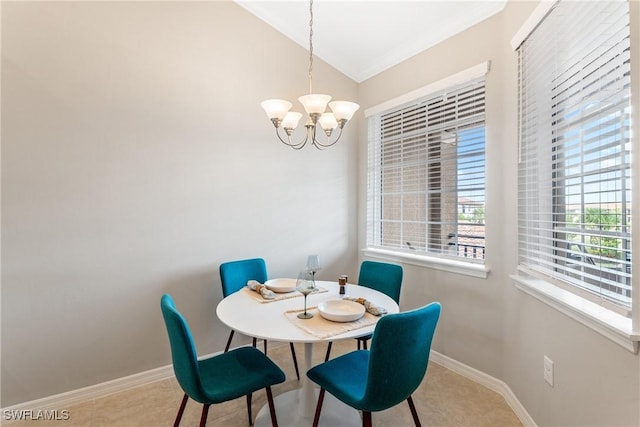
x: 305, y: 285
x: 313, y: 265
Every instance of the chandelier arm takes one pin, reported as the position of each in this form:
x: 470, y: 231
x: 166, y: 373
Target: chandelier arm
x: 321, y: 146
x: 278, y: 110
x: 297, y: 146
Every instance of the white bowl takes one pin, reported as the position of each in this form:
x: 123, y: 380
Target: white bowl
x: 339, y: 310
x: 281, y: 285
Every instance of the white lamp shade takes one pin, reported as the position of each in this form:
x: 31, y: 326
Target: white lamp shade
x: 328, y: 121
x: 291, y: 120
x: 343, y: 109
x: 276, y: 108
x: 314, y: 103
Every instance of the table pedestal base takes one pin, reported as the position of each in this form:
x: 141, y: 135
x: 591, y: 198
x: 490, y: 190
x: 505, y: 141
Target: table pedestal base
x: 334, y: 413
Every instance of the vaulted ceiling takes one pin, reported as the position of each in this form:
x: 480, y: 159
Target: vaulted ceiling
x: 362, y: 38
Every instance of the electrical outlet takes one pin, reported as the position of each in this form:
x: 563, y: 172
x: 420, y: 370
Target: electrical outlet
x: 548, y: 370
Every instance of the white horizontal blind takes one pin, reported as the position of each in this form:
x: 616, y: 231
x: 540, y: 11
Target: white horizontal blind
x: 427, y: 175
x: 575, y: 150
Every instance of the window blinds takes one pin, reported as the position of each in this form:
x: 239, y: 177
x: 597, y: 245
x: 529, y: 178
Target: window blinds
x: 426, y: 174
x: 574, y: 190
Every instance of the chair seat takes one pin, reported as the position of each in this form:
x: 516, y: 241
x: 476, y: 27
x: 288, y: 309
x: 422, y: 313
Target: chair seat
x: 345, y: 377
x: 220, y: 374
x: 377, y: 379
x: 218, y: 378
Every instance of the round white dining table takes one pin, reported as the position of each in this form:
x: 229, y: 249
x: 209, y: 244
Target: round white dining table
x: 267, y: 320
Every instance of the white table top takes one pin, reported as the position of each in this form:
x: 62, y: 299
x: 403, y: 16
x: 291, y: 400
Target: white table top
x: 267, y: 320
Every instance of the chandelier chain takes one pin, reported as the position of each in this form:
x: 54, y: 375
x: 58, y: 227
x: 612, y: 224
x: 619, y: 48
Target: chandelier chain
x: 310, y: 45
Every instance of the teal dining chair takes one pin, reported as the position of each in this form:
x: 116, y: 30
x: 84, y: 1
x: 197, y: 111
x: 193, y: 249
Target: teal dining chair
x: 387, y: 374
x: 217, y: 379
x: 383, y: 277
x: 234, y: 276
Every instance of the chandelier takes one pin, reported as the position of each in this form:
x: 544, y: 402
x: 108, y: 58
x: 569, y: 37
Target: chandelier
x: 315, y: 105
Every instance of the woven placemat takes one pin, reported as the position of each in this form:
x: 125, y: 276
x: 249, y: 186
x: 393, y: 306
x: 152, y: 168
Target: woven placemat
x: 320, y: 327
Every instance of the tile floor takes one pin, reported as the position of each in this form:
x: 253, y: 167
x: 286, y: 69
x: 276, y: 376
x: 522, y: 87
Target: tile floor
x: 444, y: 399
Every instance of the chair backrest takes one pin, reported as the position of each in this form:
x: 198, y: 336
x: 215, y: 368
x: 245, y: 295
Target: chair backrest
x: 235, y: 274
x: 383, y: 277
x: 183, y: 351
x: 399, y: 355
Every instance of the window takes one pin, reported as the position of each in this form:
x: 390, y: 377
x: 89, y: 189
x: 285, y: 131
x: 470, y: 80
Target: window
x: 574, y: 190
x: 426, y: 189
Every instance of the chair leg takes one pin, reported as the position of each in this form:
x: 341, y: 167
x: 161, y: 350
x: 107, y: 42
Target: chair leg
x: 272, y: 408
x: 316, y: 417
x: 249, y: 408
x: 176, y: 423
x: 414, y: 413
x: 255, y: 341
x: 229, y: 341
x: 366, y: 419
x: 326, y: 356
x: 362, y: 343
x: 265, y: 346
x: 295, y: 360
x: 205, y: 412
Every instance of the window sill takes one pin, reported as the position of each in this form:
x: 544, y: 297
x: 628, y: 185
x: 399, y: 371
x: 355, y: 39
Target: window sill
x: 452, y: 266
x: 610, y: 324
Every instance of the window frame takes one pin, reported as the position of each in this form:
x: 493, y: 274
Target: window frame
x: 598, y: 316
x: 451, y: 264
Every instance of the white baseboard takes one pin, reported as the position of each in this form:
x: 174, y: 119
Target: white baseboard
x: 85, y: 394
x: 489, y: 382
x: 81, y: 395
x: 74, y: 397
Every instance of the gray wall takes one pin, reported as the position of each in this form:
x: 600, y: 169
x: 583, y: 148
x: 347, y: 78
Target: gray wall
x: 135, y: 159
x: 489, y: 324
x: 597, y: 382
x: 473, y: 307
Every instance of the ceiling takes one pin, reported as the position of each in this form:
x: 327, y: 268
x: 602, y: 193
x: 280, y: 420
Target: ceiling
x: 362, y: 38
